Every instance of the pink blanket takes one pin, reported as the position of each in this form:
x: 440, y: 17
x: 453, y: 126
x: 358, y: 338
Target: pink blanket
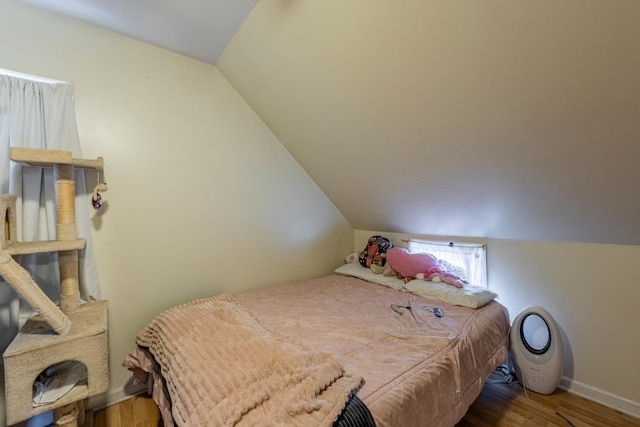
x: 223, y: 368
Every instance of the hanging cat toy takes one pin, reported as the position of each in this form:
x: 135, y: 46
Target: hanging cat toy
x: 96, y: 199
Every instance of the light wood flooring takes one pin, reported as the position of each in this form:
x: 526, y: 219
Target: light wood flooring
x: 502, y: 405
x: 498, y: 405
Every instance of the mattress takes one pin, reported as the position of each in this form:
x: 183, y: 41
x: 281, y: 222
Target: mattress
x: 418, y: 369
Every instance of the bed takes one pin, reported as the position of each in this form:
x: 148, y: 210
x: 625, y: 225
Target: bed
x: 351, y: 337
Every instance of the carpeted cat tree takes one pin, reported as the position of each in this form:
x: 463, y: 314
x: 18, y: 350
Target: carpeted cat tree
x: 73, y: 332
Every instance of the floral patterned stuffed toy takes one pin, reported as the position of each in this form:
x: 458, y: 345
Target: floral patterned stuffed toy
x: 375, y: 251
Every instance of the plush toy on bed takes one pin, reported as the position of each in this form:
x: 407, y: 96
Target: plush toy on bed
x: 385, y: 270
x: 422, y: 266
x: 375, y: 251
x: 407, y: 265
x: 438, y: 273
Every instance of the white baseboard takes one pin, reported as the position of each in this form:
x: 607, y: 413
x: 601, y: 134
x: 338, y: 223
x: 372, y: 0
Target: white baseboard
x: 600, y: 396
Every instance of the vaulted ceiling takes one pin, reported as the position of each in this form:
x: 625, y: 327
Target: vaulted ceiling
x: 197, y: 28
x: 492, y: 118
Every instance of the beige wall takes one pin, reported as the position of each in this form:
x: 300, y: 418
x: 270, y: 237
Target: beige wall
x: 202, y: 197
x: 591, y: 290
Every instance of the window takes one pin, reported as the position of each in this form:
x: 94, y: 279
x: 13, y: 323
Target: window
x: 470, y: 257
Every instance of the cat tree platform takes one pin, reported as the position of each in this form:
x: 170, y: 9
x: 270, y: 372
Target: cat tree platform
x: 37, y: 346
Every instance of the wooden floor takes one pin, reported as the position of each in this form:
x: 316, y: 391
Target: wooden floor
x: 139, y: 411
x: 498, y: 405
x: 502, y: 405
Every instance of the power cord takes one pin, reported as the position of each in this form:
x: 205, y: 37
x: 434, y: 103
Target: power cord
x: 502, y: 375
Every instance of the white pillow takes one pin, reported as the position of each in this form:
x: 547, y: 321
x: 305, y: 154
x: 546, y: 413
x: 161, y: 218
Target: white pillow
x: 354, y: 269
x: 469, y: 296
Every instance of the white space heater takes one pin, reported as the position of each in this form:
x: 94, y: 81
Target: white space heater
x: 536, y: 350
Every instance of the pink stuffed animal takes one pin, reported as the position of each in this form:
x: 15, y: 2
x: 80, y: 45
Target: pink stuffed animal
x: 438, y: 273
x: 422, y: 266
x: 407, y: 265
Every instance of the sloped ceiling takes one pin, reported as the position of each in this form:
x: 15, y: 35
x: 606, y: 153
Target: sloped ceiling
x: 491, y: 118
x: 517, y: 120
x: 200, y: 29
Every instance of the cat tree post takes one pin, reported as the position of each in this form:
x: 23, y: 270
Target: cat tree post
x: 66, y: 231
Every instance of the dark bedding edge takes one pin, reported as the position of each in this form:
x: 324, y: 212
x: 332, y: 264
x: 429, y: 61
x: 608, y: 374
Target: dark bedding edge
x: 355, y: 414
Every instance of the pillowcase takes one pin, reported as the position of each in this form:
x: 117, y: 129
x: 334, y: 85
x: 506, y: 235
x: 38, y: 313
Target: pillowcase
x: 468, y: 296
x: 356, y: 270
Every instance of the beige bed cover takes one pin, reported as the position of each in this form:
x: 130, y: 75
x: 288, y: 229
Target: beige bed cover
x: 419, y: 369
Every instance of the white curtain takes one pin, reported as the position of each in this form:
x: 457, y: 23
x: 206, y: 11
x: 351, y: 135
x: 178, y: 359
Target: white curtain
x: 470, y: 257
x: 39, y: 113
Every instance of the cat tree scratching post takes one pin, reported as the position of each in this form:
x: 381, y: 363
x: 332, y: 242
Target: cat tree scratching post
x: 66, y: 231
x: 80, y: 329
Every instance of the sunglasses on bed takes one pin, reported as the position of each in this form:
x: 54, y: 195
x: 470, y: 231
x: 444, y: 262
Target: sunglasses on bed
x: 437, y: 311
